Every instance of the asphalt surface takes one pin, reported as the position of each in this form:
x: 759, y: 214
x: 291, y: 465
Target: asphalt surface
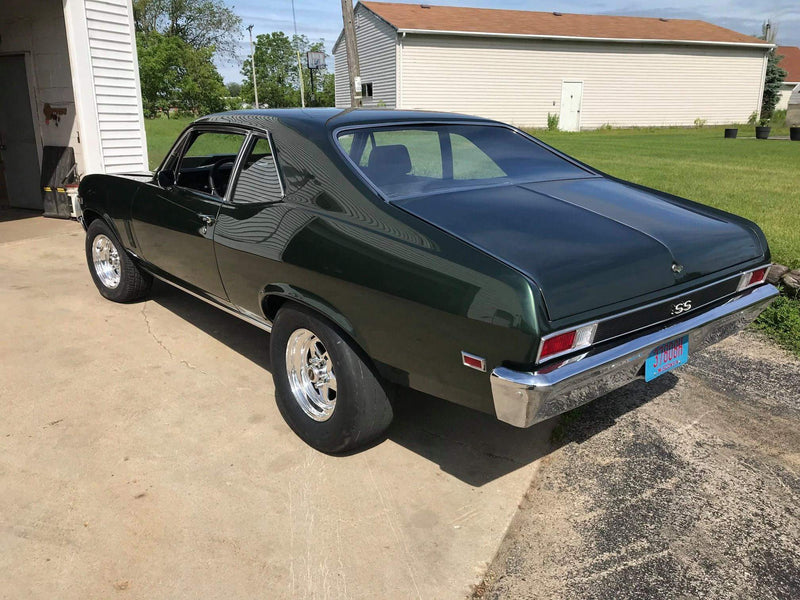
x: 688, y: 487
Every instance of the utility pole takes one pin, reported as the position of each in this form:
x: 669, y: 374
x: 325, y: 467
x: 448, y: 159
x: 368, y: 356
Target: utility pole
x: 299, y: 64
x: 253, y: 64
x: 352, y: 53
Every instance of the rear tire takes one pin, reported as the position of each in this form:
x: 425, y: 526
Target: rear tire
x: 328, y: 394
x: 113, y: 271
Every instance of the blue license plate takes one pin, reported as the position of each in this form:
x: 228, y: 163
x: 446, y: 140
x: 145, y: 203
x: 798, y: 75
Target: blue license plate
x: 666, y: 357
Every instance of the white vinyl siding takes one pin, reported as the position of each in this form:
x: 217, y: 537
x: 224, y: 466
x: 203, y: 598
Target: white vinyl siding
x: 376, y: 41
x: 115, y: 79
x: 340, y: 75
x: 624, y: 84
x: 784, y: 94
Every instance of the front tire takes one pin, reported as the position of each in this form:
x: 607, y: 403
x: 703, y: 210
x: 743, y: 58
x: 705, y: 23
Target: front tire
x: 114, y: 273
x: 327, y: 393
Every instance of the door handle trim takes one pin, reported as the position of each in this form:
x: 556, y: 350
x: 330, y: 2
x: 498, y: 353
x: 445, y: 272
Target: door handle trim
x: 207, y: 219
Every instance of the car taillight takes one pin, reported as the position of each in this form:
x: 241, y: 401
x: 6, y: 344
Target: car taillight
x: 567, y: 341
x: 752, y: 278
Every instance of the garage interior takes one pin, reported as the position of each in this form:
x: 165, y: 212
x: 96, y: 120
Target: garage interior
x: 37, y: 105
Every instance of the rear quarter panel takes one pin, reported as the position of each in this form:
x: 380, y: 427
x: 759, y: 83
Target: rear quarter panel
x: 110, y: 197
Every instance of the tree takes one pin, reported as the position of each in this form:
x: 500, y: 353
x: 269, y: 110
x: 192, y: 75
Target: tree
x: 199, y: 23
x: 277, y: 72
x: 774, y: 75
x: 234, y: 89
x: 173, y: 74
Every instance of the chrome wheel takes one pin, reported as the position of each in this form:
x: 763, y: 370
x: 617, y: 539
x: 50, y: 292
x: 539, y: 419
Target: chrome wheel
x: 311, y: 375
x: 106, y: 261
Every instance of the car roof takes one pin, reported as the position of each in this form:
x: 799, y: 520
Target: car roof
x: 331, y: 118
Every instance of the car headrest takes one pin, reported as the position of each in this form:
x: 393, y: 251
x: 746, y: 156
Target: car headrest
x: 389, y: 162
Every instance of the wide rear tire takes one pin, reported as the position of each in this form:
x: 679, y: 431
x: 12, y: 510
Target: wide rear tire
x: 113, y: 271
x: 326, y: 391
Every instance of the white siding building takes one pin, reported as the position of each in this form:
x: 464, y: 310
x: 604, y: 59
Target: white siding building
x: 518, y: 66
x: 791, y: 64
x: 70, y: 78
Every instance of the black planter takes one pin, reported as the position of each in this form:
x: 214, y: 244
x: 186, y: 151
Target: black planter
x: 794, y: 134
x: 762, y: 133
x: 731, y: 133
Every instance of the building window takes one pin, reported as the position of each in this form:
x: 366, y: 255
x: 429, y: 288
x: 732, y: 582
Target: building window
x: 366, y: 90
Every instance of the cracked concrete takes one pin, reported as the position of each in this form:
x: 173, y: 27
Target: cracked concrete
x: 142, y: 455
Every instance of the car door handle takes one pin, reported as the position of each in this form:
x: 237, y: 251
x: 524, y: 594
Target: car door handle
x: 206, y: 219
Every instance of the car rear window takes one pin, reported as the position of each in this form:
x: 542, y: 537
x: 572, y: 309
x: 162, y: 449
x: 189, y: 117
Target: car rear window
x: 413, y: 160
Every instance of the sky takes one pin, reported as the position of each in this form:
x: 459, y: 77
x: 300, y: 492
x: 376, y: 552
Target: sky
x: 322, y: 19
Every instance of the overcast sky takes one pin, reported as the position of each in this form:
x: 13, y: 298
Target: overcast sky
x: 322, y: 19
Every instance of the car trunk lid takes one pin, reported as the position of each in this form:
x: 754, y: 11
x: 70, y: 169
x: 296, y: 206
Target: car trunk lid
x: 589, y: 242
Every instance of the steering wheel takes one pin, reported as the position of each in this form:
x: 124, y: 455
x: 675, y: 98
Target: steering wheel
x: 212, y: 174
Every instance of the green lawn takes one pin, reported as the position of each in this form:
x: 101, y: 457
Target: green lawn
x: 161, y: 134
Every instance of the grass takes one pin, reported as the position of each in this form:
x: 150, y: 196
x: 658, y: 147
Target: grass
x: 757, y: 179
x: 161, y: 134
x: 781, y: 323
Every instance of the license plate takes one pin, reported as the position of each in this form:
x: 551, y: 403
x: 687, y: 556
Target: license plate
x: 666, y: 357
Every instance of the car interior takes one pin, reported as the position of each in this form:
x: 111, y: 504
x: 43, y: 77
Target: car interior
x: 207, y: 164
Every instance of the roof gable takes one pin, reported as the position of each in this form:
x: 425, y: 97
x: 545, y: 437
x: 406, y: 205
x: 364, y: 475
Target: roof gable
x: 487, y: 21
x: 790, y: 62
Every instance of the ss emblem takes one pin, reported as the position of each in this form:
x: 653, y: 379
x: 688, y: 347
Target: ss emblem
x: 681, y: 307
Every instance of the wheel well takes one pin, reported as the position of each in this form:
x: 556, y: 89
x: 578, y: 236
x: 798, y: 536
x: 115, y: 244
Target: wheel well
x: 272, y: 304
x: 89, y: 216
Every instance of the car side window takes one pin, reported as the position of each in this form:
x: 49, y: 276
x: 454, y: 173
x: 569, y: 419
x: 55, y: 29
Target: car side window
x: 258, y: 180
x: 207, y: 163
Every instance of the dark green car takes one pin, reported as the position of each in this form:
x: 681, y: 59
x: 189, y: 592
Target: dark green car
x: 454, y: 255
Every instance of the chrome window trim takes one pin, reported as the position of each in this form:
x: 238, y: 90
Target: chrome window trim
x: 263, y: 135
x: 597, y: 322
x: 179, y: 147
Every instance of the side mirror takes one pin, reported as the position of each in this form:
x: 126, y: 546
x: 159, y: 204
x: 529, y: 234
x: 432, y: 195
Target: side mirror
x: 166, y: 179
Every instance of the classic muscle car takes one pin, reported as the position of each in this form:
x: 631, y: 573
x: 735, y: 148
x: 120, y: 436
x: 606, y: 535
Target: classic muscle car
x: 452, y: 254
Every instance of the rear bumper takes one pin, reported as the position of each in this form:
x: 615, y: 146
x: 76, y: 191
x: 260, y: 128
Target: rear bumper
x: 523, y: 398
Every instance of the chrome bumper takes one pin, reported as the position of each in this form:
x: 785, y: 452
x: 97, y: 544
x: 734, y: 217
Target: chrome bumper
x: 524, y: 398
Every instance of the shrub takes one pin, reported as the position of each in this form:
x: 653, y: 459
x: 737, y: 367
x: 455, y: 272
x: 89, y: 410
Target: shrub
x: 781, y: 322
x: 552, y: 122
x: 699, y: 123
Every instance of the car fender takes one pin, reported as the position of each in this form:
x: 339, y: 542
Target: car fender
x: 306, y: 298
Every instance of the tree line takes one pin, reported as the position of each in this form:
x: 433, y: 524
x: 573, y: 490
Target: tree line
x: 178, y: 41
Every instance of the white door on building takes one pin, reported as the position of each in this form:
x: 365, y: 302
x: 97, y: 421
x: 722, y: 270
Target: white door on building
x: 18, y: 153
x: 569, y: 119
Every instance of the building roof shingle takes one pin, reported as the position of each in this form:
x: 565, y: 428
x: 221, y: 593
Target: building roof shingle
x: 528, y: 23
x: 790, y: 62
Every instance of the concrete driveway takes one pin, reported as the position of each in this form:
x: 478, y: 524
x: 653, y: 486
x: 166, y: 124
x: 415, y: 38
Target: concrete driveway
x: 142, y: 456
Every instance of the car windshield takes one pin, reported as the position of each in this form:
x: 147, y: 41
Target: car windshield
x: 415, y: 160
